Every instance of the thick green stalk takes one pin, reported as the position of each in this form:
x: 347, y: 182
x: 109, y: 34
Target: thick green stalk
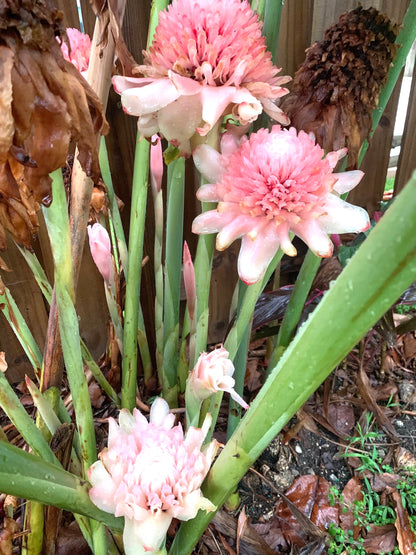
x: 347, y: 311
x: 245, y: 313
x: 259, y: 6
x: 405, y: 38
x: 203, y: 269
x: 122, y: 248
x: 158, y: 268
x: 240, y: 364
x: 27, y: 476
x: 14, y: 409
x: 157, y: 5
x: 21, y: 329
x: 296, y: 303
x: 271, y: 25
x: 136, y: 237
x: 173, y: 264
x: 56, y: 217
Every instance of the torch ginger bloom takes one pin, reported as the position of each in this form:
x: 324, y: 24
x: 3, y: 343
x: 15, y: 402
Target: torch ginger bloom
x: 212, y: 373
x: 207, y: 59
x: 272, y: 184
x: 80, y: 49
x: 150, y: 474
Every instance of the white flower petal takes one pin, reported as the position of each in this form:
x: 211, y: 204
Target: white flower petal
x: 208, y: 162
x: 178, y: 120
x: 147, y: 535
x: 159, y: 411
x: 149, y: 98
x: 342, y: 217
x: 317, y: 240
x: 347, y: 180
x: 255, y: 255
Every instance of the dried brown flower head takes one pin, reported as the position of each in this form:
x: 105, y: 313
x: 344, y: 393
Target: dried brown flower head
x: 44, y: 105
x: 337, y: 87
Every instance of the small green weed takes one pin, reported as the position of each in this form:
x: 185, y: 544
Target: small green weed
x: 369, y: 511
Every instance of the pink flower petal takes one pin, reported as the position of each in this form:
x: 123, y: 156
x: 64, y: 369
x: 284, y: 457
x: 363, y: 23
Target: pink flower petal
x: 189, y: 280
x: 178, y: 121
x: 121, y: 84
x: 156, y: 163
x: 214, y: 102
x: 313, y: 235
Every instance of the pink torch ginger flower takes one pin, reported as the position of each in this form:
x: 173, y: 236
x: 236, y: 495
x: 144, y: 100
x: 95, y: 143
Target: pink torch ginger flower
x: 212, y: 373
x: 208, y: 58
x: 80, y: 48
x: 100, y: 246
x: 275, y: 183
x: 150, y: 474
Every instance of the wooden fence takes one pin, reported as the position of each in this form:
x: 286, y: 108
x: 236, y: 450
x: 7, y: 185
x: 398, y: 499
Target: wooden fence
x: 303, y: 21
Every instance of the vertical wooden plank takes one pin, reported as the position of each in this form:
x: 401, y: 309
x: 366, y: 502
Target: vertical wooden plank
x: 327, y: 12
x: 29, y: 299
x: 407, y: 157
x: 88, y: 17
x: 70, y: 11
x: 369, y: 191
x: 294, y: 35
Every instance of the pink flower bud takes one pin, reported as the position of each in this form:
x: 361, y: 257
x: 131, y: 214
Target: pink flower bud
x: 212, y: 373
x: 189, y: 280
x: 100, y: 246
x: 156, y: 163
x: 150, y: 473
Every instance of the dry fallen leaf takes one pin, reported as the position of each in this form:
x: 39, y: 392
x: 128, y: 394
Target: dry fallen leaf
x: 406, y: 538
x: 380, y: 539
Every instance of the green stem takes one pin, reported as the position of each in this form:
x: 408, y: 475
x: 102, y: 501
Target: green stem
x: 56, y: 217
x: 122, y: 248
x: 173, y: 265
x: 203, y: 269
x: 259, y: 6
x: 157, y: 5
x: 348, y: 310
x: 271, y: 26
x: 136, y: 237
x: 296, y: 304
x: 158, y: 268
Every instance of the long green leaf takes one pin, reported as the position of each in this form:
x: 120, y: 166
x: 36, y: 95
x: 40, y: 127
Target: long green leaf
x: 29, y: 477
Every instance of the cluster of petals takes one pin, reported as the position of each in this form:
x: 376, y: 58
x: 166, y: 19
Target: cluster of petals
x: 79, y: 49
x: 212, y: 373
x: 151, y: 473
x: 208, y: 58
x: 271, y: 184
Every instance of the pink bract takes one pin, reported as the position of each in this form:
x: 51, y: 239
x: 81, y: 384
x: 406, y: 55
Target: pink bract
x: 272, y: 184
x: 80, y: 48
x: 212, y: 373
x: 100, y: 247
x: 207, y: 59
x: 151, y: 473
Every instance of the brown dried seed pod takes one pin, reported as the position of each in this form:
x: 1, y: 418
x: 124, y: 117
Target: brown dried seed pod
x: 45, y: 104
x: 337, y: 87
